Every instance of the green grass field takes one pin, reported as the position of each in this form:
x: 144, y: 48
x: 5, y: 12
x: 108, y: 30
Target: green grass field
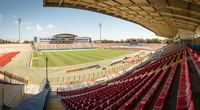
x: 66, y: 58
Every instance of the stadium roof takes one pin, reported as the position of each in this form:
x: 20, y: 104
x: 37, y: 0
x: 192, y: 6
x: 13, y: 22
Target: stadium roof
x: 65, y: 35
x: 164, y: 17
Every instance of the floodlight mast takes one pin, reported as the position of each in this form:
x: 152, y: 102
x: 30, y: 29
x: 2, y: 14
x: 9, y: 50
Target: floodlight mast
x: 47, y: 81
x: 100, y: 25
x: 19, y: 23
x: 46, y: 70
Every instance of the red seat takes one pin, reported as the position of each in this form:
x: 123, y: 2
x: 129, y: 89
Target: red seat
x: 163, y: 94
x: 184, y: 97
x: 128, y: 104
x: 191, y: 107
x: 184, y: 92
x: 141, y: 106
x: 183, y: 103
x: 159, y: 104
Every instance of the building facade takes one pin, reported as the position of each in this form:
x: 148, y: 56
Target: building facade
x: 45, y: 40
x: 82, y: 40
x: 64, y: 38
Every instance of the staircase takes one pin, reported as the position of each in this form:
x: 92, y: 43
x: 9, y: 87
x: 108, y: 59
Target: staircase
x: 54, y: 102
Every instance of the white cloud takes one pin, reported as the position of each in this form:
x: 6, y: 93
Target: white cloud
x: 24, y: 24
x: 29, y: 23
x: 28, y: 28
x: 14, y: 16
x: 15, y: 19
x: 46, y: 30
x: 0, y: 17
x: 15, y: 22
x: 36, y: 28
x: 50, y: 26
x: 39, y: 28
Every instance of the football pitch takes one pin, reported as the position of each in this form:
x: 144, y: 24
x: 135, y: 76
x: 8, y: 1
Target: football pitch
x: 66, y: 58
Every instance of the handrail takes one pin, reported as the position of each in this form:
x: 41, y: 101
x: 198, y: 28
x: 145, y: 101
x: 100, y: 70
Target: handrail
x: 15, y: 77
x: 37, y: 102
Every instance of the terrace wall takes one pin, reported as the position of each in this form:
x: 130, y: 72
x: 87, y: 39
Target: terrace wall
x: 11, y: 95
x: 5, y: 48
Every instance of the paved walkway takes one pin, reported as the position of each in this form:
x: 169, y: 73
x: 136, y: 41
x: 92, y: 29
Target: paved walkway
x: 54, y: 102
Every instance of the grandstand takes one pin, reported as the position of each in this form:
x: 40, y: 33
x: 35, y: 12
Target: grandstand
x: 46, y: 46
x: 5, y: 48
x: 167, y: 77
x: 149, y: 81
x: 6, y: 58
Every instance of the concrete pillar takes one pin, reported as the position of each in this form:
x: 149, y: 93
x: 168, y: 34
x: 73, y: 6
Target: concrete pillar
x: 186, y: 34
x: 197, y: 35
x: 176, y: 38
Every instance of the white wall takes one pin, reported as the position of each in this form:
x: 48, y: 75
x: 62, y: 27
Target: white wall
x: 197, y: 32
x: 11, y: 95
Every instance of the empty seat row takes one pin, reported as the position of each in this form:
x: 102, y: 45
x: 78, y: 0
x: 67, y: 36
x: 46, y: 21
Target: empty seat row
x: 144, y: 103
x: 80, y: 91
x: 101, y: 96
x: 184, y: 97
x: 195, y: 58
x: 137, y: 87
x: 153, y: 66
x: 98, y: 92
x: 134, y: 99
x: 162, y: 98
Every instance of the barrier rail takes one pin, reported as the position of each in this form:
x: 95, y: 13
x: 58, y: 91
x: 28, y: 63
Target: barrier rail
x: 80, y: 81
x: 37, y: 102
x: 83, y: 68
x: 13, y: 77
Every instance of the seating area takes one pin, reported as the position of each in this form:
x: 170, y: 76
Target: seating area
x: 6, y: 58
x: 162, y: 98
x: 79, y: 91
x: 165, y: 50
x: 5, y: 48
x: 195, y: 58
x: 77, y: 45
x: 108, y: 45
x: 184, y: 98
x: 41, y: 46
x: 138, y: 87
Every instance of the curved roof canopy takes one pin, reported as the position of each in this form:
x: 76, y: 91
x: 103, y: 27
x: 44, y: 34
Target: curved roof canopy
x: 64, y: 35
x: 164, y: 17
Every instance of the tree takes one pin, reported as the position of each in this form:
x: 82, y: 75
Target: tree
x: 27, y: 42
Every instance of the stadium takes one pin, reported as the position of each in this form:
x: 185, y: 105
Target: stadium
x: 109, y: 76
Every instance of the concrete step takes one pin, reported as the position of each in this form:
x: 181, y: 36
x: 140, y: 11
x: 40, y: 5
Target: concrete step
x: 54, y: 102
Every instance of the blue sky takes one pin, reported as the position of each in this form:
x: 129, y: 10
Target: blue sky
x: 46, y: 21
